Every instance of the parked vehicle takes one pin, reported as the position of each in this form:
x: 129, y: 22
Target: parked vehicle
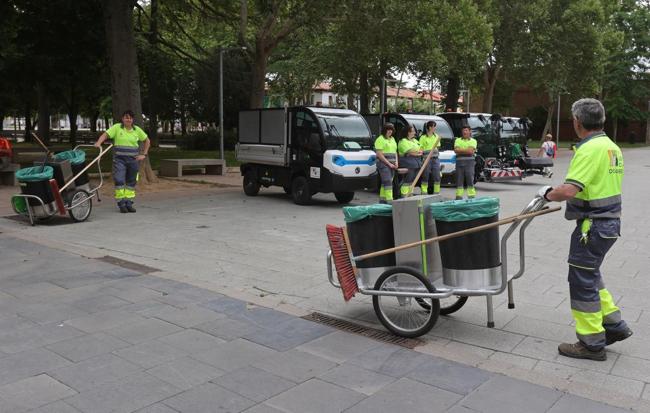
x: 306, y: 150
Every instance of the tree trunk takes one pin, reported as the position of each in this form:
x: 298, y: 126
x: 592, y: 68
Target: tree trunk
x: 489, y: 82
x: 43, y: 113
x: 451, y: 100
x: 125, y: 79
x: 364, y: 98
x: 28, y: 121
x: 549, y: 122
x: 93, y: 122
x: 152, y: 69
x: 72, y: 115
x: 615, y: 126
x: 258, y: 77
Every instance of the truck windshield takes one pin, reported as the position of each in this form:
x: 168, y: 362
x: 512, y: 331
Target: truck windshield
x: 345, y: 132
x: 510, y: 130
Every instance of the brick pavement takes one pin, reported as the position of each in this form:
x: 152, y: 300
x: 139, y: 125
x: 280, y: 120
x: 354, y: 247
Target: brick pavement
x: 81, y: 335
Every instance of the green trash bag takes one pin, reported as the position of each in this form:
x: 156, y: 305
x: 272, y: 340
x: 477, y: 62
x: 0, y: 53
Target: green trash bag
x: 35, y: 174
x: 75, y: 157
x: 465, y: 210
x: 357, y: 213
x: 515, y: 150
x: 19, y: 203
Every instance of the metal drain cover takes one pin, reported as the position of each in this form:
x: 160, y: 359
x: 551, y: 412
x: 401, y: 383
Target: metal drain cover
x: 372, y: 333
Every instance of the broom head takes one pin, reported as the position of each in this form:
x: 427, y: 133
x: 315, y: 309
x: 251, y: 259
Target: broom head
x: 341, y: 254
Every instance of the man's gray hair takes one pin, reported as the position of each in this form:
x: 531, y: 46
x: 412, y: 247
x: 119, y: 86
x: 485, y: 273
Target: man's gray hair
x: 590, y: 113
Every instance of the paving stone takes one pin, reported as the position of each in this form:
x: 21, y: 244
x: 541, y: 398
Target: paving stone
x: 143, y: 330
x: 226, y: 328
x: 191, y: 341
x: 15, y: 341
x: 571, y: 404
x: 503, y: 394
x: 150, y: 353
x: 104, y: 320
x: 157, y: 408
x: 225, y: 305
x: 447, y: 375
x: 7, y: 407
x: 14, y: 322
x: 95, y: 371
x: 601, y: 366
x: 407, y: 395
x: 390, y: 360
x: 254, y: 384
x: 100, y: 303
x: 481, y: 352
x: 295, y: 365
x: 526, y: 363
x: 461, y: 409
x: 555, y: 369
x: 133, y: 293
x: 357, y: 378
x: 234, y: 354
x: 262, y: 408
x: 546, y: 330
x: 288, y: 334
x: 478, y: 336
x: 126, y: 395
x: 315, y: 396
x: 33, y: 289
x: 29, y: 363
x: 185, y: 372
x: 51, y: 313
x: 88, y: 346
x: 56, y: 407
x: 630, y: 367
x: 185, y: 317
x: 537, y: 348
x: 35, y: 391
x: 633, y: 388
x: 209, y: 398
x: 339, y: 346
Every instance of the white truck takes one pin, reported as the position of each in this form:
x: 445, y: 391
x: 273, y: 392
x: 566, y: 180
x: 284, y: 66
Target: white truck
x: 306, y: 150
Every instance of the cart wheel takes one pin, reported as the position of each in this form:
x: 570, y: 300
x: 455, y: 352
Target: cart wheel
x: 402, y: 315
x: 344, y: 197
x: 80, y: 206
x: 251, y: 186
x: 447, y: 305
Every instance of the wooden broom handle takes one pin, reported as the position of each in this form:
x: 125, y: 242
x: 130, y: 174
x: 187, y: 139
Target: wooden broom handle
x: 424, y: 165
x: 40, y: 142
x: 74, y: 178
x: 457, y: 233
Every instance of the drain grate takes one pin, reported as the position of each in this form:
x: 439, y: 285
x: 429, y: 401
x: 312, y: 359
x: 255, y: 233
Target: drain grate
x: 372, y: 333
x: 127, y: 264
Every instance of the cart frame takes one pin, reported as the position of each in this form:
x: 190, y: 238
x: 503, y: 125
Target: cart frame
x: 534, y: 208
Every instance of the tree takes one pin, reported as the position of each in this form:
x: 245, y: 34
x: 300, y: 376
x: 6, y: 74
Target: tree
x: 125, y: 78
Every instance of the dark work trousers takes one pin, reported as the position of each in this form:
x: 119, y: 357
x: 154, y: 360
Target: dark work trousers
x: 125, y: 176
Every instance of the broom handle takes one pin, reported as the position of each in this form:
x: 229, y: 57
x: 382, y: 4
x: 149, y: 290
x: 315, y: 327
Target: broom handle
x: 74, y: 178
x: 457, y: 234
x: 40, y: 142
x: 424, y: 165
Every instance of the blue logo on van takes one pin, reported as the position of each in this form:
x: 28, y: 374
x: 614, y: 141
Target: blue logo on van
x: 339, y: 160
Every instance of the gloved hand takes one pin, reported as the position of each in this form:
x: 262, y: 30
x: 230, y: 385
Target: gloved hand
x: 543, y: 191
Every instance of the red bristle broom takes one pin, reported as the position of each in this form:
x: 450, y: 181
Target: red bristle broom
x: 341, y: 252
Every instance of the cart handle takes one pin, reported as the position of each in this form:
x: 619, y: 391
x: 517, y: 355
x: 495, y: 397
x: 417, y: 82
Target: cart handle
x: 97, y: 158
x: 40, y: 142
x: 456, y: 234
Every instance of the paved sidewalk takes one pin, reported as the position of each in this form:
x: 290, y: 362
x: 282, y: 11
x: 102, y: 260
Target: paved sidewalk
x: 84, y: 335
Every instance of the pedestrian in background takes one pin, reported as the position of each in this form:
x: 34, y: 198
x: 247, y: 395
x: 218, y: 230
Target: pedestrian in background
x: 432, y: 171
x: 465, y: 149
x: 410, y: 157
x: 386, y: 150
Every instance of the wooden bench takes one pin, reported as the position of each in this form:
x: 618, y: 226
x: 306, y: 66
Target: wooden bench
x: 8, y: 174
x: 174, y: 167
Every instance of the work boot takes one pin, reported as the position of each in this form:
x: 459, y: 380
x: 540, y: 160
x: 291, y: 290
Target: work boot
x: 130, y: 208
x: 579, y: 351
x: 123, y: 209
x: 612, y: 337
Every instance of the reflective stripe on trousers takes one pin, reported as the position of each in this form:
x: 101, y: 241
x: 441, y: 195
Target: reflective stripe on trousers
x: 592, y: 304
x: 125, y: 176
x: 465, y: 176
x: 431, y: 171
x: 386, y: 176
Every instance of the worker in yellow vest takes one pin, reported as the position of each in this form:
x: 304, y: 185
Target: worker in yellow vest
x: 130, y: 146
x: 592, y: 191
x: 386, y: 150
x: 465, y: 149
x: 410, y: 157
x: 432, y: 171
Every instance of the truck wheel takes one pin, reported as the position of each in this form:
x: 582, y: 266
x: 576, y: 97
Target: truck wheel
x: 287, y: 189
x: 251, y: 186
x: 344, y: 197
x: 300, y: 190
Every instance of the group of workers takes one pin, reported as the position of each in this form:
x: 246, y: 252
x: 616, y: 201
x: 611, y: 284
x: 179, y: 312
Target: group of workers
x: 409, y: 155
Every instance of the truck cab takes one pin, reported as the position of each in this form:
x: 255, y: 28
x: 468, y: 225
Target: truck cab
x: 306, y: 150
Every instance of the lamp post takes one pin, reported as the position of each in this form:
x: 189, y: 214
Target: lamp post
x: 221, y: 50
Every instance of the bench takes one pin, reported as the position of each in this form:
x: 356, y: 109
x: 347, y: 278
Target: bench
x: 8, y: 174
x: 174, y: 167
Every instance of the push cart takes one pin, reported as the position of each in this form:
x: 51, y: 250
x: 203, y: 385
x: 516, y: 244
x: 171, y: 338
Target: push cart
x: 58, y: 185
x: 407, y: 290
